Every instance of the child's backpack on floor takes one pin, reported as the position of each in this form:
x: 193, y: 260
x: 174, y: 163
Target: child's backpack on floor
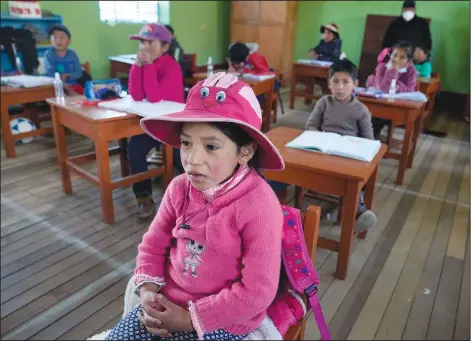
x: 298, y: 266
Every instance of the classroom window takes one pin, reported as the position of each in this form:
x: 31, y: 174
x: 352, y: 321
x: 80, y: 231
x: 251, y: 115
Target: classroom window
x: 134, y: 11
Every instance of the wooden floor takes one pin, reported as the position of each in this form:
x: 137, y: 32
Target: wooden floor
x: 63, y: 271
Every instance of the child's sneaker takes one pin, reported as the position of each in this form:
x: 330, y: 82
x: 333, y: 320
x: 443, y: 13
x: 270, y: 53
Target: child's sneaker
x: 155, y: 158
x: 145, y: 207
x: 288, y: 310
x: 365, y: 221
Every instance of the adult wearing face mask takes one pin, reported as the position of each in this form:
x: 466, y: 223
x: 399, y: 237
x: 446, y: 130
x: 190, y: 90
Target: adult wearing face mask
x: 408, y: 27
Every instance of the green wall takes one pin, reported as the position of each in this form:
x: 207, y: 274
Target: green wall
x: 203, y: 30
x: 449, y: 27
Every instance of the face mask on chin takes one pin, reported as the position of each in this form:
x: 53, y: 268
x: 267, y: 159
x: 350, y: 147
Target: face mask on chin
x: 408, y: 15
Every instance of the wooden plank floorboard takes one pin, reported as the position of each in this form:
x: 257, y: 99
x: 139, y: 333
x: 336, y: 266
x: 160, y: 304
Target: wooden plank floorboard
x: 66, y: 281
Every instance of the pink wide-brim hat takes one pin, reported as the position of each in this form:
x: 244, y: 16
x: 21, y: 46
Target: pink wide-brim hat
x: 219, y: 98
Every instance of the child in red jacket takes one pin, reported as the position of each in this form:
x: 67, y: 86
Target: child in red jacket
x: 245, y: 58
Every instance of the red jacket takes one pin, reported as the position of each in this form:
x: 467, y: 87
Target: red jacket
x: 256, y: 63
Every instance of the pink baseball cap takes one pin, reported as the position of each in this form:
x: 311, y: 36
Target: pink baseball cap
x: 153, y: 32
x: 219, y: 98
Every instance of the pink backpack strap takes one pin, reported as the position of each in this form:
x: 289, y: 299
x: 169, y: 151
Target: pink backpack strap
x: 299, y: 268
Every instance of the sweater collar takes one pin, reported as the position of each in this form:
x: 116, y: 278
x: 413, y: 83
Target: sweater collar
x: 243, y: 180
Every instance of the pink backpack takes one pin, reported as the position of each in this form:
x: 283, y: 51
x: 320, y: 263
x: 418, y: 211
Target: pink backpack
x: 298, y: 265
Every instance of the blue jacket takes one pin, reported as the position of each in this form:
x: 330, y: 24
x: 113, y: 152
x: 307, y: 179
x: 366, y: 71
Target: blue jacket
x: 329, y: 51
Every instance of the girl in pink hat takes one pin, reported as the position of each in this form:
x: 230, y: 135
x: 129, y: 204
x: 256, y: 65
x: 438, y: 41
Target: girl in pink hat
x: 154, y: 77
x: 209, y: 265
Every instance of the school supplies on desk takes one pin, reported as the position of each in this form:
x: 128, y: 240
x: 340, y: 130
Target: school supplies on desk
x: 314, y: 62
x: 415, y: 96
x: 26, y: 81
x: 334, y: 144
x: 142, y: 108
x: 97, y: 90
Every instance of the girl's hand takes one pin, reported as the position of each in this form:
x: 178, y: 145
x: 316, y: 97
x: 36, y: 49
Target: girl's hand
x: 150, y: 308
x: 174, y: 318
x: 143, y: 58
x: 313, y: 55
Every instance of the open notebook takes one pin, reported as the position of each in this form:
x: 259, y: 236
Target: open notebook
x: 330, y: 143
x: 142, y: 108
x: 26, y: 81
x: 261, y: 77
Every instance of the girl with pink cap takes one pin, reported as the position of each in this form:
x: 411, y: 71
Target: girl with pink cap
x: 209, y: 265
x: 154, y: 77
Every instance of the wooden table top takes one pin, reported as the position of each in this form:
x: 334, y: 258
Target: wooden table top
x: 126, y: 59
x: 90, y: 112
x: 397, y: 103
x: 11, y: 89
x: 331, y: 165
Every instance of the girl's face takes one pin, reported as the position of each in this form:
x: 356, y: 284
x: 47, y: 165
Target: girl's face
x: 328, y: 35
x: 208, y: 156
x: 399, y: 58
x: 155, y: 48
x: 419, y: 55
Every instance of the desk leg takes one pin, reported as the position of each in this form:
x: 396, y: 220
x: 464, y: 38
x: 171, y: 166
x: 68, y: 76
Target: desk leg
x: 123, y: 158
x: 168, y: 164
x: 113, y: 72
x: 104, y: 174
x: 7, y: 135
x: 294, y: 81
x: 417, y: 129
x: 349, y: 210
x: 369, y: 194
x: 266, y: 114
x: 408, y: 136
x: 61, y: 150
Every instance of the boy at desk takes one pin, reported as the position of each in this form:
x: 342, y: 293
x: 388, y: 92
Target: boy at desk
x: 344, y: 114
x: 63, y: 60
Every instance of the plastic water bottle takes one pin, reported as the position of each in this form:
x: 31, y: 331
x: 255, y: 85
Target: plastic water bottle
x: 392, y: 90
x: 210, y: 66
x: 59, y: 88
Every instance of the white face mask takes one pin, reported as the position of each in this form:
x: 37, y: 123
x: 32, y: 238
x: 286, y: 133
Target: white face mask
x: 408, y: 15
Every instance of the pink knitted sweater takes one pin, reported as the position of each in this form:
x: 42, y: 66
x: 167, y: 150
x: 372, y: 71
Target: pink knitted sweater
x: 161, y: 80
x: 225, y: 268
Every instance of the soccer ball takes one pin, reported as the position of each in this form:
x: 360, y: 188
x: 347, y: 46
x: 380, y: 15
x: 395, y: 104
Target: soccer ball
x: 22, y: 125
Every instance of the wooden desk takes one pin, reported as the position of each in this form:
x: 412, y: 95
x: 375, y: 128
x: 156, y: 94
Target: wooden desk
x: 264, y: 87
x: 121, y: 64
x: 328, y: 174
x: 101, y: 126
x: 13, y: 96
x: 429, y: 87
x: 401, y: 112
x: 301, y: 70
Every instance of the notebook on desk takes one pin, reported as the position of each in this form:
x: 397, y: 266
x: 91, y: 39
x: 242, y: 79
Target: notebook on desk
x: 142, y: 108
x: 26, y: 81
x: 314, y: 62
x: 334, y: 144
x: 262, y: 77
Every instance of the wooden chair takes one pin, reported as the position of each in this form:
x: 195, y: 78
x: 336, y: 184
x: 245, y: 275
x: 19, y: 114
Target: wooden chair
x: 311, y: 221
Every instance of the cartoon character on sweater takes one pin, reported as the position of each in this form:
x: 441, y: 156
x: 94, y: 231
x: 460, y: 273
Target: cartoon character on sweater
x: 193, y: 259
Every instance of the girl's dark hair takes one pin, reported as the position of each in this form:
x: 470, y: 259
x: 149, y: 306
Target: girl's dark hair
x: 237, y: 135
x: 406, y: 46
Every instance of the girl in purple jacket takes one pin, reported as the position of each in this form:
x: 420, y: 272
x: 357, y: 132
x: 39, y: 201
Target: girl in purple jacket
x: 400, y: 67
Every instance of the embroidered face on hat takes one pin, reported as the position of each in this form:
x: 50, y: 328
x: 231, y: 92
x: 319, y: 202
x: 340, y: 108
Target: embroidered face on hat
x: 219, y: 98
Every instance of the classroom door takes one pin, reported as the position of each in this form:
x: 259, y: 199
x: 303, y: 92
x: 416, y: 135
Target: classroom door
x: 272, y: 25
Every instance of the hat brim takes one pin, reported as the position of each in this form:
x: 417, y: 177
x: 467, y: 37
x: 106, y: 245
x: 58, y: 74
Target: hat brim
x: 166, y: 129
x: 138, y: 37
